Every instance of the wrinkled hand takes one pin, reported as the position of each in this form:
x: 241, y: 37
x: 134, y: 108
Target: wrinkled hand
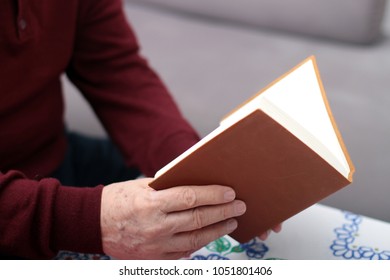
x: 138, y: 222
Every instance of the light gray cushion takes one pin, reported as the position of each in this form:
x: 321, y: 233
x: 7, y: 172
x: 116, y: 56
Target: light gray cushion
x: 356, y: 21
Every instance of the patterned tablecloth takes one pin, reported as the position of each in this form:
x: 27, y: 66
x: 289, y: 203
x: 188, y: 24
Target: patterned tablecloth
x: 318, y: 233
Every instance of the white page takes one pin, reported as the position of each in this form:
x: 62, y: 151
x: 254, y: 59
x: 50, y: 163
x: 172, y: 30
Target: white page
x: 296, y: 102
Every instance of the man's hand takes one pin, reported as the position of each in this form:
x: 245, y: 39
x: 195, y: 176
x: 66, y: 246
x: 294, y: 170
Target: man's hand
x: 138, y: 222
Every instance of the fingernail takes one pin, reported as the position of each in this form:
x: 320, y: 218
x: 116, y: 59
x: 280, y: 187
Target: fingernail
x: 231, y: 225
x: 229, y: 195
x: 239, y: 207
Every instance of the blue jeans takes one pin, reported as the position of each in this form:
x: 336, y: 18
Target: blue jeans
x: 91, y: 161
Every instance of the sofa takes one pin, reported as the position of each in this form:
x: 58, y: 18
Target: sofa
x: 214, y: 54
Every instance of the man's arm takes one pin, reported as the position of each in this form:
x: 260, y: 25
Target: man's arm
x: 128, y: 97
x: 142, y: 118
x: 39, y: 217
x: 126, y: 220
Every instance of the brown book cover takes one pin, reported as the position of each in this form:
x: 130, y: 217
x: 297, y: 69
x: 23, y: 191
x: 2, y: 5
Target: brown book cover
x: 274, y: 172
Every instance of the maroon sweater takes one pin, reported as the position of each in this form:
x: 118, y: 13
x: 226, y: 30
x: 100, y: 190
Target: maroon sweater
x: 93, y: 44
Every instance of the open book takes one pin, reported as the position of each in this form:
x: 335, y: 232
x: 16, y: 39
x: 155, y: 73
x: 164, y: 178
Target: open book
x: 281, y: 151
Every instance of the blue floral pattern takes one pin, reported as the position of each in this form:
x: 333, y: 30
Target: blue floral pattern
x: 344, y: 245
x: 222, y: 249
x: 209, y: 257
x: 255, y: 249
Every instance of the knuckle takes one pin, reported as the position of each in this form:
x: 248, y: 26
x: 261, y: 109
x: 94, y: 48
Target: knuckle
x: 195, y: 241
x: 153, y: 232
x: 199, y: 218
x: 188, y: 196
x: 151, y: 201
x: 169, y: 227
x: 227, y: 212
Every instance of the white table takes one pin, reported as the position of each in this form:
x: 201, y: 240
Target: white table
x: 318, y: 233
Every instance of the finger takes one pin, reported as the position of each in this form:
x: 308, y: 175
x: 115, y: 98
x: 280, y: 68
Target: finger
x: 194, y: 240
x: 264, y: 235
x: 277, y: 228
x: 187, y: 197
x: 200, y: 217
